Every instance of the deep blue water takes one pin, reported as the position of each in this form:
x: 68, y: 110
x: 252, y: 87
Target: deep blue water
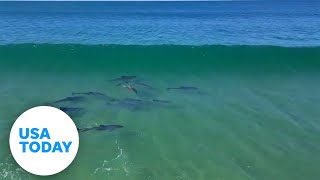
x: 189, y: 23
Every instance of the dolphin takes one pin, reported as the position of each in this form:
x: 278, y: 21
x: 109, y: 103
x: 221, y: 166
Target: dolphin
x: 183, y: 88
x: 109, y: 128
x: 161, y: 101
x: 71, y: 99
x: 70, y: 109
x: 96, y: 95
x: 143, y: 84
x: 90, y: 93
x: 134, y: 82
x: 130, y: 88
x: 131, y: 104
x: 188, y: 89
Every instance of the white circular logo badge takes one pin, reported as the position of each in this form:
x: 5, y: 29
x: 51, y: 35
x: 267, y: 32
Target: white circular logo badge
x: 44, y: 140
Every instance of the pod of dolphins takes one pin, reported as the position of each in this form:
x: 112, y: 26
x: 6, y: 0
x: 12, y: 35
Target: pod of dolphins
x: 132, y: 84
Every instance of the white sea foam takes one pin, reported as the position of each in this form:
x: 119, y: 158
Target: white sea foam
x: 10, y: 170
x: 107, y: 166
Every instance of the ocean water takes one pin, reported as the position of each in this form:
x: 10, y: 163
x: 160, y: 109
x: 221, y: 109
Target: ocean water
x: 147, y: 23
x: 253, y: 115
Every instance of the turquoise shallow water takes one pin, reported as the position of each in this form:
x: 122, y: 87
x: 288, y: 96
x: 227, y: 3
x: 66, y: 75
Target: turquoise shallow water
x: 255, y: 115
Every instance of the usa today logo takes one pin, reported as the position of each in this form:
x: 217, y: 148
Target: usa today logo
x: 44, y: 140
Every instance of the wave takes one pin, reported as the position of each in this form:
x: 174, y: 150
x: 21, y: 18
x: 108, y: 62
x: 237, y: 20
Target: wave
x: 157, y: 58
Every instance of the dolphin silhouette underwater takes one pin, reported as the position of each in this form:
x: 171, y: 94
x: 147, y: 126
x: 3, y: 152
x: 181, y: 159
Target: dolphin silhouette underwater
x: 130, y: 88
x: 96, y: 95
x: 130, y: 104
x: 90, y: 93
x: 187, y: 89
x: 161, y: 101
x: 134, y: 82
x: 129, y: 80
x: 109, y: 128
x: 70, y: 109
x: 183, y: 88
x: 71, y: 99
